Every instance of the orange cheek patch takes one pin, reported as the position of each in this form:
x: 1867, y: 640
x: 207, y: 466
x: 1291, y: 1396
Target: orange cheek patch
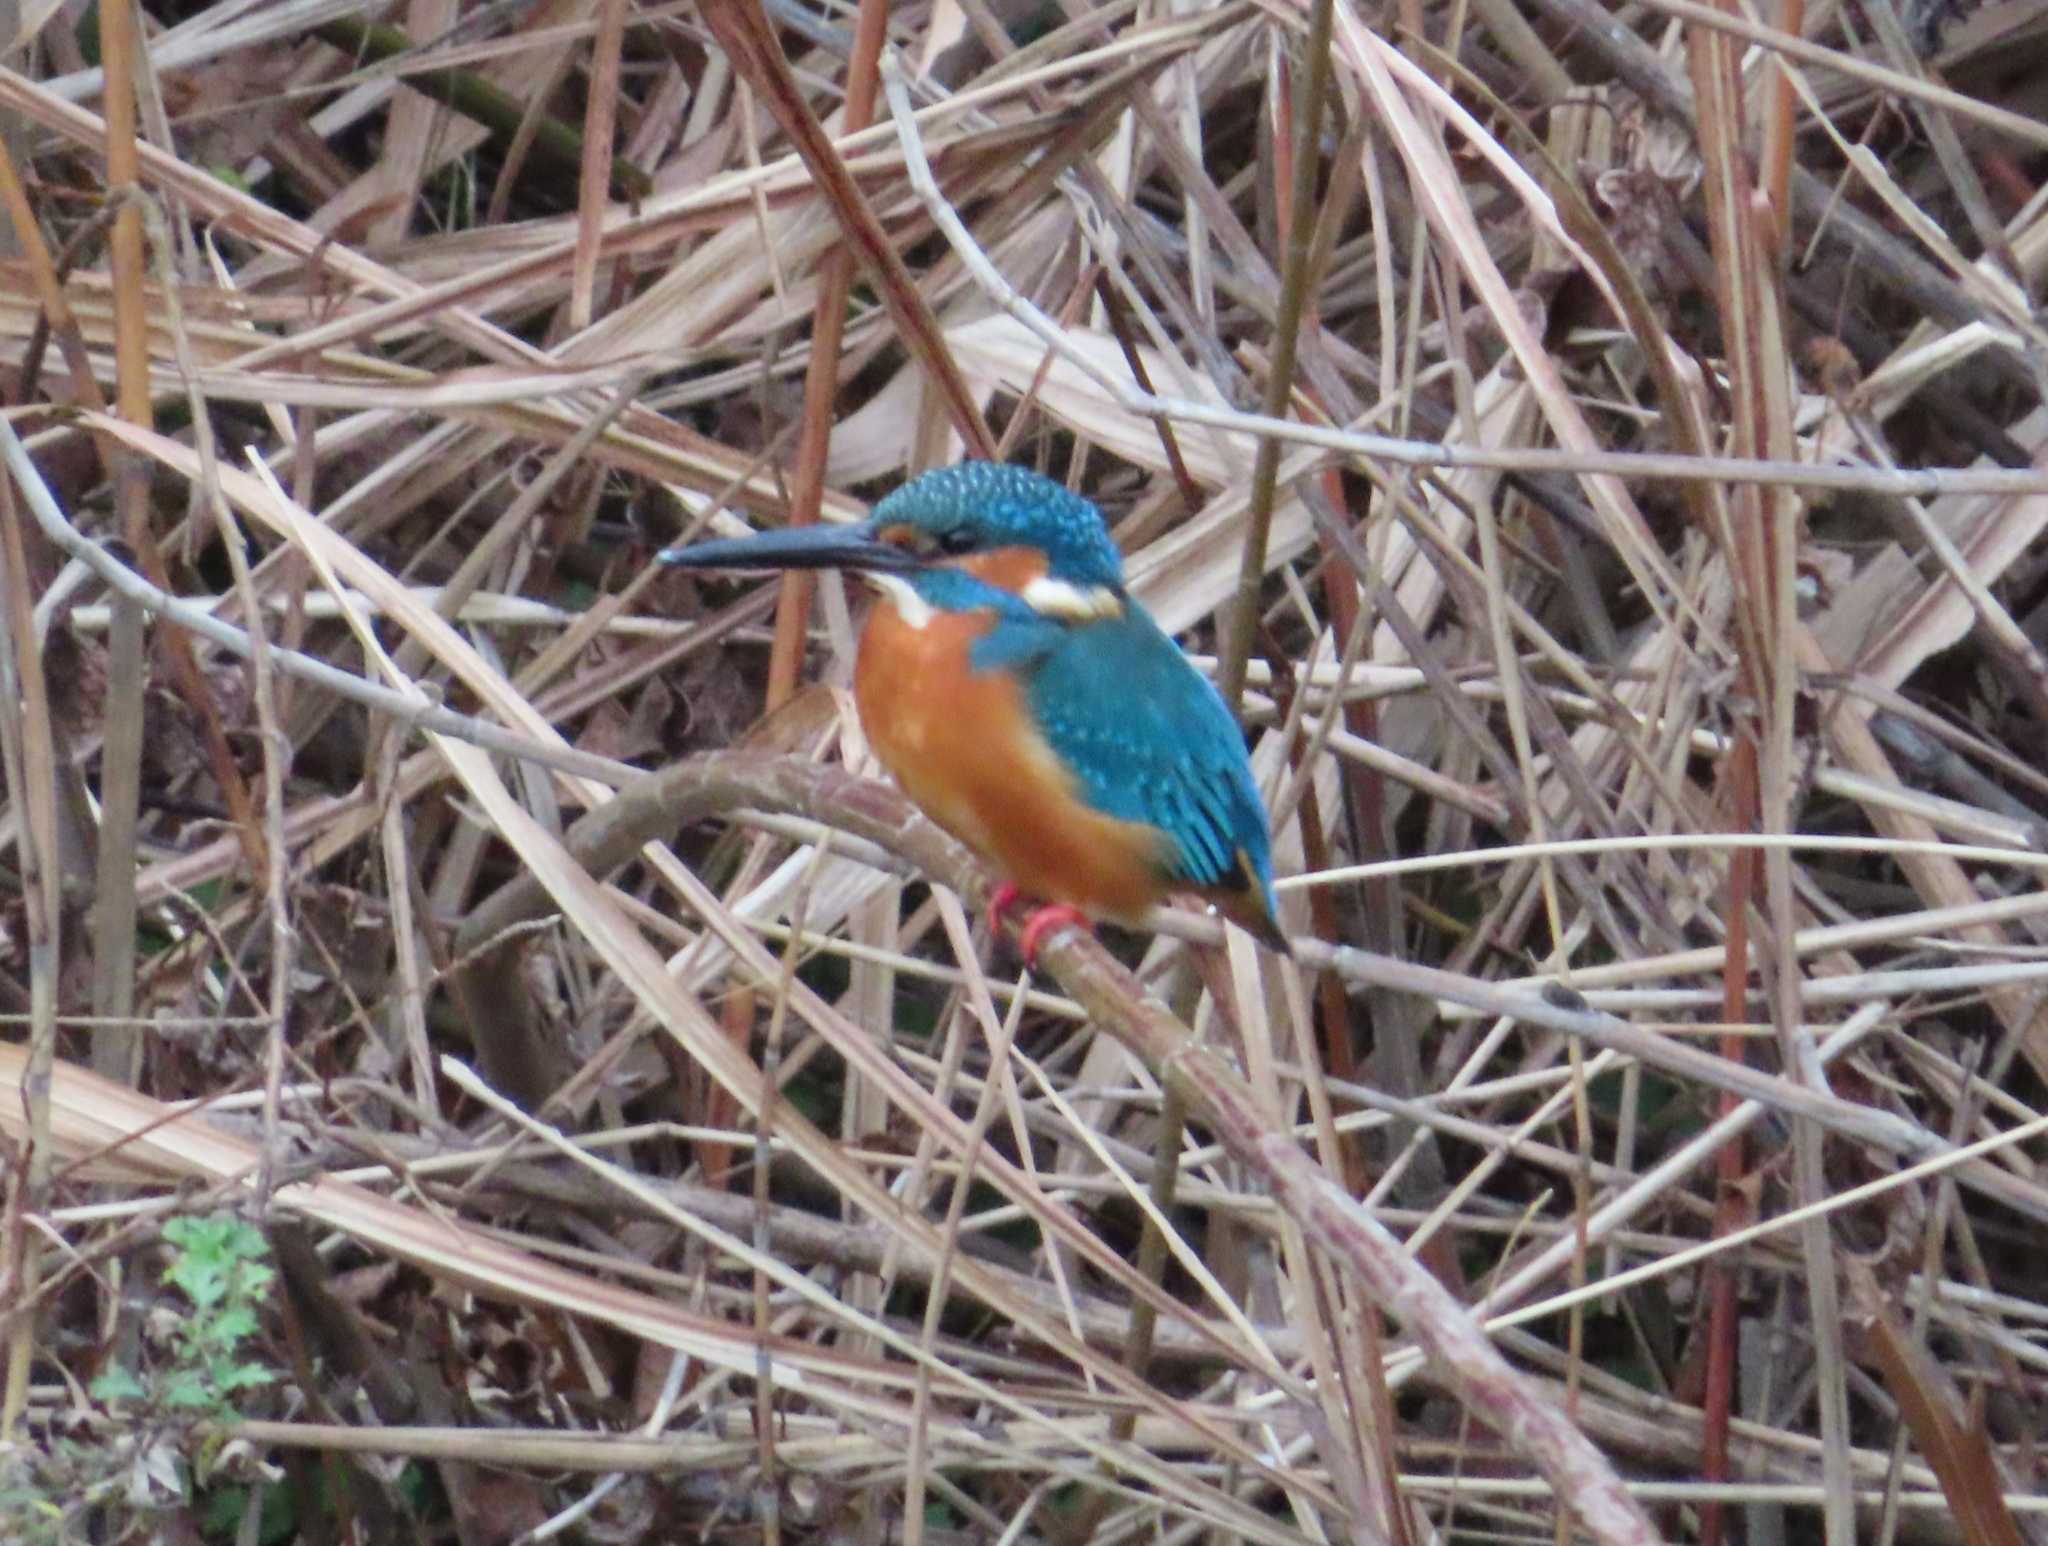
x: 1009, y: 569
x: 899, y: 536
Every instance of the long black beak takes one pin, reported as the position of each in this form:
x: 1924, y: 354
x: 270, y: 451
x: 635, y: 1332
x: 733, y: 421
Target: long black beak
x: 797, y: 547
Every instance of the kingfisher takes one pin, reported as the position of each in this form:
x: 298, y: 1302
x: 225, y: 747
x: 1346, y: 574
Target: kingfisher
x: 1023, y: 699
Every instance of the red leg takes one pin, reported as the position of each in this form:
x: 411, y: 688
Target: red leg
x: 1043, y: 921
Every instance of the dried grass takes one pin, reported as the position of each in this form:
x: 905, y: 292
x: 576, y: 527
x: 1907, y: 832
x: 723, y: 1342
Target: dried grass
x: 1643, y: 665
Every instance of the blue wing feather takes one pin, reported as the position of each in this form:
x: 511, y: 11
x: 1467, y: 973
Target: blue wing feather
x: 1147, y: 737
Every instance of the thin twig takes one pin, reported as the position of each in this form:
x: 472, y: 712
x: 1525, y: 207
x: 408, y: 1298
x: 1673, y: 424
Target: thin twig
x: 406, y: 710
x: 1239, y: 621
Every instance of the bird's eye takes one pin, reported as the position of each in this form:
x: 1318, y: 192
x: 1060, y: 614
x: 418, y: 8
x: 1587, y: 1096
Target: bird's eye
x: 957, y: 539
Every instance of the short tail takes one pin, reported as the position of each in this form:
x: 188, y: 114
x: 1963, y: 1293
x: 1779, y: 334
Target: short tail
x: 1248, y: 910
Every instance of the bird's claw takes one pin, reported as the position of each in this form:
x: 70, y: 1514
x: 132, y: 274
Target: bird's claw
x: 1038, y: 923
x: 1001, y: 900
x: 1043, y: 921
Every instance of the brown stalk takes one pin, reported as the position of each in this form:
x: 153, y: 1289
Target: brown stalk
x: 1716, y: 89
x: 593, y: 188
x: 1360, y: 1337
x: 1365, y: 813
x: 1731, y: 1209
x: 807, y: 479
x: 49, y: 287
x: 131, y: 300
x: 821, y: 376
x: 113, y: 967
x: 1304, y: 155
x: 28, y: 751
x: 114, y: 900
x: 1943, y: 1429
x: 744, y: 32
x: 1119, y: 315
x: 1780, y: 129
x: 113, y: 912
x: 132, y: 395
x: 1762, y: 540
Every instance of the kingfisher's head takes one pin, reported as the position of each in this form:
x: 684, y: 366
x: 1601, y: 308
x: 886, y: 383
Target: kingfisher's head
x: 978, y: 508
x: 1002, y: 525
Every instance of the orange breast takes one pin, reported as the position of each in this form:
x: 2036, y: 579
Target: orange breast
x: 962, y: 745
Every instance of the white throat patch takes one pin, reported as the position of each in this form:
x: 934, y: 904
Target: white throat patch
x: 915, y: 611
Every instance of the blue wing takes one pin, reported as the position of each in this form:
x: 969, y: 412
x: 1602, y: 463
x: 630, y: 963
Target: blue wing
x: 1147, y: 737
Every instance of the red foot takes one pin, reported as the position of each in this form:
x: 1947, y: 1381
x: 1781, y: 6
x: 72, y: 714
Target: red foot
x: 1043, y: 921
x: 1005, y: 897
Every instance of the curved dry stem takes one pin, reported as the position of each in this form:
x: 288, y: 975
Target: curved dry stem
x: 1216, y: 1095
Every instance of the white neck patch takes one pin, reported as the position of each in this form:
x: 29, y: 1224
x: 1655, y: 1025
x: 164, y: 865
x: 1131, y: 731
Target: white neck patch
x: 1072, y: 603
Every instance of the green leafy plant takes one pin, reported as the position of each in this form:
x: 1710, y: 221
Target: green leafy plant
x: 219, y: 1264
x: 143, y: 1454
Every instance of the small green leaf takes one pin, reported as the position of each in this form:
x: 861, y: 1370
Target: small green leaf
x: 230, y: 1326
x: 117, y: 1384
x: 187, y: 1392
x: 245, y: 1376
